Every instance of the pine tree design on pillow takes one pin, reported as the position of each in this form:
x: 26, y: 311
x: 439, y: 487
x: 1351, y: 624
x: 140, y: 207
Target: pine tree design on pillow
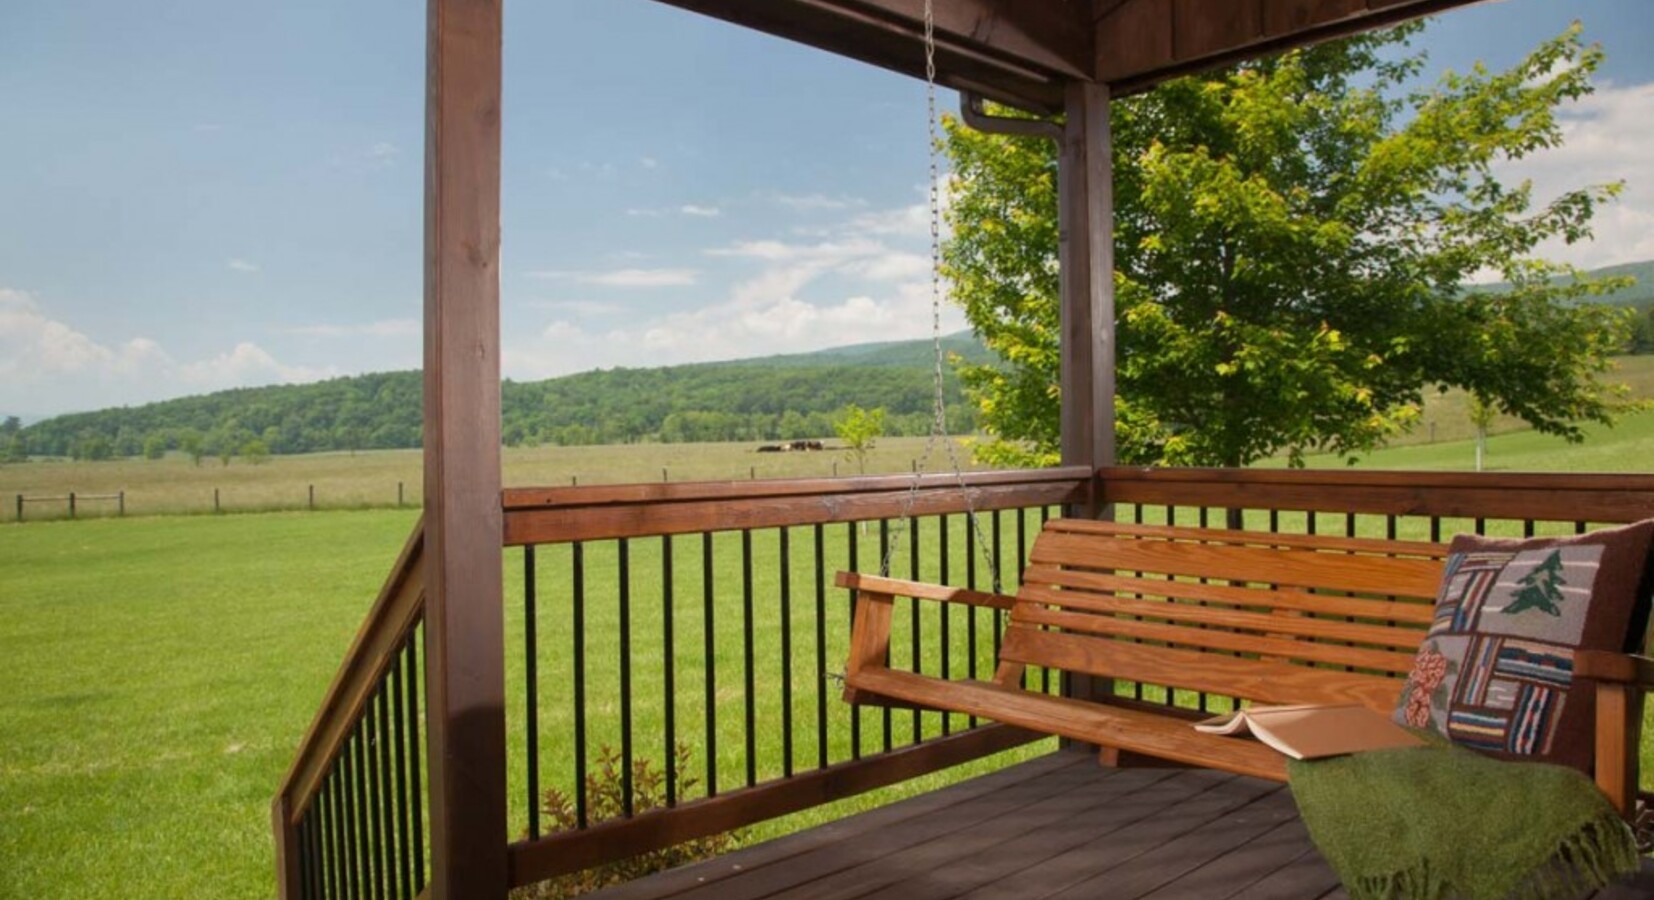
x: 1495, y: 671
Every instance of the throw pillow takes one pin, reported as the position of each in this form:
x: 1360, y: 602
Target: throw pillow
x: 1495, y: 671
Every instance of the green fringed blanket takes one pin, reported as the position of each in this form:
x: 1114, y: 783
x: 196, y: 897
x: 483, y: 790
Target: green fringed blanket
x: 1441, y: 821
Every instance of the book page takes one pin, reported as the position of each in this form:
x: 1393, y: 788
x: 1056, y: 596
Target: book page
x: 1313, y: 732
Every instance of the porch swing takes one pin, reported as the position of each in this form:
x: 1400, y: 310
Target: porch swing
x: 1141, y: 616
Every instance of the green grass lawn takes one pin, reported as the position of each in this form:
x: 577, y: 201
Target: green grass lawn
x: 160, y: 671
x: 158, y: 674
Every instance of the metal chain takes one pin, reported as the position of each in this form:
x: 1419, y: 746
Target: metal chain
x: 938, y: 424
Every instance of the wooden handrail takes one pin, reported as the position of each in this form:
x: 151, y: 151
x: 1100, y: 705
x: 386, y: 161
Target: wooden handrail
x: 552, y: 515
x: 397, y: 609
x: 1544, y: 496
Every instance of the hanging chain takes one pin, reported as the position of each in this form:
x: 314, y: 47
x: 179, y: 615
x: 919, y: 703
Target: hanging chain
x: 939, y: 422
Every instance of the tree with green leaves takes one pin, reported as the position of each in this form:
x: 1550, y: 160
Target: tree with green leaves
x: 192, y: 443
x: 859, y: 428
x: 1293, y: 237
x: 1482, y: 414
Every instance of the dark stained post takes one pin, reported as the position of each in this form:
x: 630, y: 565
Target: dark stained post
x: 465, y: 628
x: 1085, y: 200
x: 1085, y: 187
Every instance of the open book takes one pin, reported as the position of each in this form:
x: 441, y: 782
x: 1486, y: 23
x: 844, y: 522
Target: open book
x: 1312, y: 732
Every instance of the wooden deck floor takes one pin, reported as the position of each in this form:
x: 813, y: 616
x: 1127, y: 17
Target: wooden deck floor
x: 1060, y: 827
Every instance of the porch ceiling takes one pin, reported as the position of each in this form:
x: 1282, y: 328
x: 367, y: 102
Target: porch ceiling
x: 1023, y: 51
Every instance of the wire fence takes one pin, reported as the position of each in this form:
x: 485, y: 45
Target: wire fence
x: 217, y: 500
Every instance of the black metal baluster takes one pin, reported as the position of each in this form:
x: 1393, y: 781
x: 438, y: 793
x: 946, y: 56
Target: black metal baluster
x: 747, y: 657
x: 624, y: 571
x: 399, y: 728
x: 970, y: 611
x: 581, y: 801
x: 415, y: 753
x: 669, y: 662
x: 341, y: 876
x: 336, y: 861
x: 1436, y: 529
x: 1527, y: 528
x: 347, y: 794
x: 1481, y: 525
x: 944, y: 575
x: 531, y: 692
x: 855, y: 708
x: 1274, y: 521
x: 884, y: 570
x: 786, y: 653
x: 708, y: 603
x: 364, y: 811
x: 821, y: 644
x: 416, y: 788
x: 1390, y: 526
x: 387, y: 821
x: 1579, y: 527
x: 999, y: 585
x: 917, y: 650
x: 304, y: 835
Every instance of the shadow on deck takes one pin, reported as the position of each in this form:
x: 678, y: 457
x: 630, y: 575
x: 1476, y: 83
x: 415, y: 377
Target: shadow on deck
x: 1060, y: 826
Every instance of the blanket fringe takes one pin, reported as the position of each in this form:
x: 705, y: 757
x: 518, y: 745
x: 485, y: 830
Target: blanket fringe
x: 1597, y: 854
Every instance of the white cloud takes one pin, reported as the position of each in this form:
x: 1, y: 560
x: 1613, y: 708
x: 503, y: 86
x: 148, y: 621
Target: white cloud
x: 622, y: 278
x: 48, y: 366
x: 1606, y: 139
x: 864, y: 278
x: 815, y: 202
x: 241, y: 265
x: 381, y: 328
x: 688, y: 209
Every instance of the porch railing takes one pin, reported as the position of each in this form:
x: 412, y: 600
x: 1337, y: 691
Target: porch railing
x: 700, y: 619
x: 350, y: 817
x: 649, y: 621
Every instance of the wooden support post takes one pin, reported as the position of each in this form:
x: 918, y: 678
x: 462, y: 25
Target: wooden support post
x: 464, y: 612
x: 1085, y: 186
x: 71, y: 504
x: 1085, y: 201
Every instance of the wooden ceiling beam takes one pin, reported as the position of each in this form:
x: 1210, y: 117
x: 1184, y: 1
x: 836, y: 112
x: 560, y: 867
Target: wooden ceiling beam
x: 1016, y: 51
x: 1143, y: 42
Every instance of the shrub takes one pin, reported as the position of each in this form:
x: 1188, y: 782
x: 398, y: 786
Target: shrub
x: 605, y: 792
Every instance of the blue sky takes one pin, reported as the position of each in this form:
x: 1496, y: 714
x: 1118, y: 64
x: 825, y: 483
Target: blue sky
x: 197, y: 194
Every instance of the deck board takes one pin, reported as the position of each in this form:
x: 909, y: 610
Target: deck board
x: 1059, y: 826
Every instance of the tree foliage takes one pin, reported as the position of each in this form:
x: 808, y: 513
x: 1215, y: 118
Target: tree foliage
x: 1293, y: 237
x: 859, y: 429
x: 748, y: 401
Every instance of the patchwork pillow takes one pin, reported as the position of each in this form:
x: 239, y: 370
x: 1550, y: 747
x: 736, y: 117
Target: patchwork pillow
x: 1495, y: 672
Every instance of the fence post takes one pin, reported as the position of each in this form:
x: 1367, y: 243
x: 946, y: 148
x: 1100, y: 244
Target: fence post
x: 19, y: 507
x: 663, y: 475
x: 399, y: 495
x: 120, y: 503
x: 215, y: 506
x: 835, y: 468
x: 71, y: 504
x: 312, y: 497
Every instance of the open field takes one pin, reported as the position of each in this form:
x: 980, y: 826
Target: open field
x: 370, y: 479
x: 377, y: 479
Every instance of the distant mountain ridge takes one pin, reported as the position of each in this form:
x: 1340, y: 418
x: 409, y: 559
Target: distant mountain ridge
x: 789, y: 396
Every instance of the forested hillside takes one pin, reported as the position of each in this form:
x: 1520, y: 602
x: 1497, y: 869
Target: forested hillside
x: 774, y: 398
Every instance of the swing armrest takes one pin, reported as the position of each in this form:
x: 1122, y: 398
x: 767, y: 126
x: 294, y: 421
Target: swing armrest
x: 879, y: 588
x: 870, y: 630
x: 1621, y: 679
